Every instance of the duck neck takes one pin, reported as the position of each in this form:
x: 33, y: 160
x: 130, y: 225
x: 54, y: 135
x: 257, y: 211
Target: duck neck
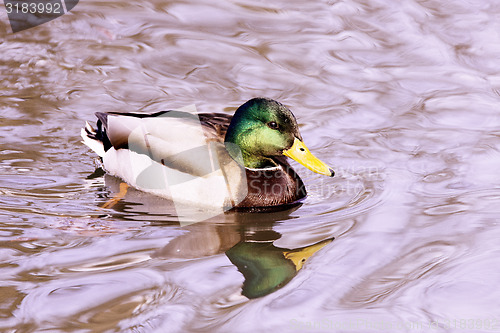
x: 237, y: 151
x: 247, y: 159
x: 257, y: 162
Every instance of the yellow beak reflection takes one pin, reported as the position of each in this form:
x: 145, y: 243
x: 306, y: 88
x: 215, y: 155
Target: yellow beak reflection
x: 301, y: 154
x: 299, y: 256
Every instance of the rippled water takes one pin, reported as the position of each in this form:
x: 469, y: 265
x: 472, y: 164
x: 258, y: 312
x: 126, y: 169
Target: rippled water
x: 401, y: 98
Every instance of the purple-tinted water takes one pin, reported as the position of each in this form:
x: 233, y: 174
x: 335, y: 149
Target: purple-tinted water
x: 401, y: 98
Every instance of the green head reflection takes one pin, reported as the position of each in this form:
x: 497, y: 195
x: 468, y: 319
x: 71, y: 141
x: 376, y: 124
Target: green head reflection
x: 267, y: 268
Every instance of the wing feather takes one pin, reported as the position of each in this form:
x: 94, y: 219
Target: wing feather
x: 179, y: 140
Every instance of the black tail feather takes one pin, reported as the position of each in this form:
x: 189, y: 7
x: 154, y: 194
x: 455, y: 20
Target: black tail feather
x: 100, y: 133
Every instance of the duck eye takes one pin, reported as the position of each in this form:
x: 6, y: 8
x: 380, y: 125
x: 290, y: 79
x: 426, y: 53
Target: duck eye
x: 272, y: 125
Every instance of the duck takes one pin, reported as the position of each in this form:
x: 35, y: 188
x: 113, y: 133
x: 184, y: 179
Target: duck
x: 236, y: 162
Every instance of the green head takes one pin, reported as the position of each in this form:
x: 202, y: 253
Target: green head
x: 262, y: 129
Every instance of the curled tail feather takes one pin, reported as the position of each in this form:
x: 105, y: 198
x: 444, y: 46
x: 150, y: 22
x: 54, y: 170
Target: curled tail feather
x: 91, y: 139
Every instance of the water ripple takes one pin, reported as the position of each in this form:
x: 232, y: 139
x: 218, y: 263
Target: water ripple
x: 400, y: 98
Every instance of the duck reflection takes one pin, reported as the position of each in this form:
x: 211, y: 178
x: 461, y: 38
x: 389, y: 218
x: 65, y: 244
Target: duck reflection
x: 246, y: 238
x: 267, y: 268
x: 249, y: 245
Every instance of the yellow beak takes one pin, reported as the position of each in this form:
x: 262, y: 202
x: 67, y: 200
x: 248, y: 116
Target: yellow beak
x: 301, y: 154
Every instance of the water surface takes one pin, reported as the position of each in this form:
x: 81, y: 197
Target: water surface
x: 400, y: 98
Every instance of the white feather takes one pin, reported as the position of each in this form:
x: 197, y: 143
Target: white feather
x: 216, y: 190
x: 193, y: 172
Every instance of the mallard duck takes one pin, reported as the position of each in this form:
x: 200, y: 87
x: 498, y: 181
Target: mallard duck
x: 207, y: 159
